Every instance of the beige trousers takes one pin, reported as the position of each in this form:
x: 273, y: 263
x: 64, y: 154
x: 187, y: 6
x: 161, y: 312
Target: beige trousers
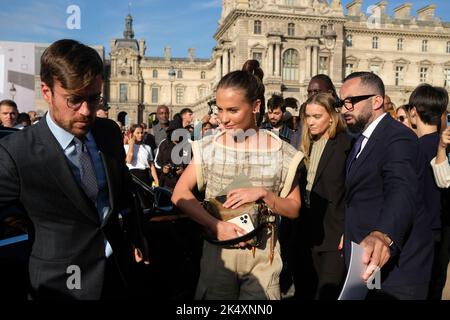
x: 234, y: 274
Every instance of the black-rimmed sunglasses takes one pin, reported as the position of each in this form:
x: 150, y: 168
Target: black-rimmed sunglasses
x: 349, y: 103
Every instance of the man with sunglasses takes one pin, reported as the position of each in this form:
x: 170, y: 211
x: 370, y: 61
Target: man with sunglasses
x: 69, y: 174
x: 384, y: 212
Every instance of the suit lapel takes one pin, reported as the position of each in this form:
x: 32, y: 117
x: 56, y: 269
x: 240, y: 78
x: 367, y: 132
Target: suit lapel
x: 108, y: 165
x: 324, y: 159
x: 58, y: 168
x: 110, y: 172
x: 370, y: 145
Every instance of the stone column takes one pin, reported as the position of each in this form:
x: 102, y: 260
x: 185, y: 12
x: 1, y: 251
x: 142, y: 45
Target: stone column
x: 277, y: 59
x: 308, y: 62
x: 315, y: 58
x: 270, y: 60
x: 225, y: 63
x: 113, y: 68
x: 218, y: 68
x: 232, y: 61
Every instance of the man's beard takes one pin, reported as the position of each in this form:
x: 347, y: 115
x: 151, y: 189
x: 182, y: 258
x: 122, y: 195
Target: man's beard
x: 276, y: 124
x: 360, y: 124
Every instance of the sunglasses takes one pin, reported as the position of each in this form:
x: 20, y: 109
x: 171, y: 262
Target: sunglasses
x: 349, y: 103
x: 402, y: 118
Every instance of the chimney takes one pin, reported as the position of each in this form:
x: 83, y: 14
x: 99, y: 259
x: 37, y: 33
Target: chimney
x: 191, y: 52
x: 354, y: 8
x: 426, y: 13
x: 403, y: 12
x: 382, y: 5
x: 242, y: 4
x: 167, y: 53
x: 142, y: 47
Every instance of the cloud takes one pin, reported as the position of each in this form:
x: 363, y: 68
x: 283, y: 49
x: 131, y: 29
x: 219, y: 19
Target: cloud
x: 35, y: 20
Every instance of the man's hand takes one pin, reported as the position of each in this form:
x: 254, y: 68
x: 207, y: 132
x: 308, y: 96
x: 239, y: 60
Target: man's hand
x: 376, y: 252
x: 138, y: 256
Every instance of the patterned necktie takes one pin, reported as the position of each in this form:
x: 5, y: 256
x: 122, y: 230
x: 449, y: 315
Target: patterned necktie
x: 87, y: 173
x: 355, y: 150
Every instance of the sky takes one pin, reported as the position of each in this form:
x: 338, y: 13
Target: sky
x: 180, y: 24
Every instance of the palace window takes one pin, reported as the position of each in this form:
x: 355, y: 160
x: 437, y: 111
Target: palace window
x: 424, y: 45
x: 291, y: 29
x: 257, y: 27
x: 375, y: 68
x: 323, y: 29
x: 349, y: 41
x: 155, y: 92
x: 447, y: 78
x: 348, y: 69
x: 257, y: 56
x: 400, y: 44
x: 123, y: 97
x: 201, y: 92
x: 290, y: 65
x: 423, y: 74
x: 155, y: 73
x: 180, y: 74
x: 180, y: 95
x: 399, y: 75
x: 203, y: 75
x: 323, y: 65
x: 375, y: 43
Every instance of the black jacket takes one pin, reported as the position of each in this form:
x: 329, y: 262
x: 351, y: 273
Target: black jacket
x: 322, y: 225
x: 66, y: 230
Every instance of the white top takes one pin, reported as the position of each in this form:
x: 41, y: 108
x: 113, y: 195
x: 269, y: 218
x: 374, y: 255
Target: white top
x: 368, y: 132
x: 142, y: 155
x: 441, y: 173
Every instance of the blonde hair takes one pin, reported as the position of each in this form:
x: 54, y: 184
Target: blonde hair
x: 327, y: 101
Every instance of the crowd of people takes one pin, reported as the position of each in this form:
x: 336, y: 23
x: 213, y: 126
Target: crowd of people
x: 154, y: 211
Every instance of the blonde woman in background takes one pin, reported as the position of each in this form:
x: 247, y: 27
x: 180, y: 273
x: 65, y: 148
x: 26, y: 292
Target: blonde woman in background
x: 325, y: 143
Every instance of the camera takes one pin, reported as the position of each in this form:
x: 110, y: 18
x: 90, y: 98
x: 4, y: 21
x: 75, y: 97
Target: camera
x: 211, y: 105
x: 170, y: 169
x: 448, y: 119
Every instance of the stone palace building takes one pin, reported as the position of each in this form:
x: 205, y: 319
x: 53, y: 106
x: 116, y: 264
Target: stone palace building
x: 294, y: 40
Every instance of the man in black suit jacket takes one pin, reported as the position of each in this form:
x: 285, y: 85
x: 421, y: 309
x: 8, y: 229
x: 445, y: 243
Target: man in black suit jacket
x: 384, y: 209
x: 80, y: 249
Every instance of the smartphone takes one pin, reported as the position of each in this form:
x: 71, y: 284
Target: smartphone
x: 448, y: 119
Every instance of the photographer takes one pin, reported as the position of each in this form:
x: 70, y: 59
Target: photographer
x: 170, y: 172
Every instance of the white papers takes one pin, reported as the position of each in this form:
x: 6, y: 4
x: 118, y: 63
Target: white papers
x: 355, y: 288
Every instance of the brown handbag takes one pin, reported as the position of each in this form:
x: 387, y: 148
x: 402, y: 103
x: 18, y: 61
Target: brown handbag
x: 256, y: 211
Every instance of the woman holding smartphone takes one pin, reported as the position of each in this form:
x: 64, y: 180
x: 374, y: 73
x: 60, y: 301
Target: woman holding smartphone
x: 269, y: 164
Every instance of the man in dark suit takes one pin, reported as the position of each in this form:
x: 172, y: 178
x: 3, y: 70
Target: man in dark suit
x: 69, y: 174
x: 384, y: 209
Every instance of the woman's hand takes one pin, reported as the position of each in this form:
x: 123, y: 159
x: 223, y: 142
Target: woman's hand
x: 227, y: 231
x: 237, y: 197
x: 445, y: 138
